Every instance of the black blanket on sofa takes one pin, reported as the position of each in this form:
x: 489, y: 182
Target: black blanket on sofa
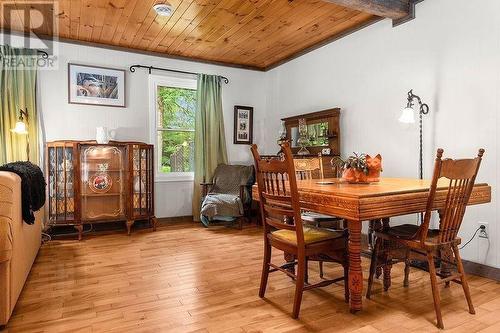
x: 32, y: 187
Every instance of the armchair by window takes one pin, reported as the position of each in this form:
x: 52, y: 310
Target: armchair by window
x: 229, y: 196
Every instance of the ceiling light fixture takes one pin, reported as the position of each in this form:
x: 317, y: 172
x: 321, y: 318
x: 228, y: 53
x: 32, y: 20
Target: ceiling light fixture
x: 163, y: 9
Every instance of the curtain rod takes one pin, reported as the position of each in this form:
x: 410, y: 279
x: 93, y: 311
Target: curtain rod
x: 150, y: 68
x: 45, y: 55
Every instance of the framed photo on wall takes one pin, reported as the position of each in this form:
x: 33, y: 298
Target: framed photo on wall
x: 243, y: 125
x: 95, y: 85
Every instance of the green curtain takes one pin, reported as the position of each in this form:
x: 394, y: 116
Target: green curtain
x: 209, y: 138
x: 17, y: 91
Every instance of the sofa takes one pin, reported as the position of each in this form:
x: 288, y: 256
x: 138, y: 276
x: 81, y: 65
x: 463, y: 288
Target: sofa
x: 19, y: 244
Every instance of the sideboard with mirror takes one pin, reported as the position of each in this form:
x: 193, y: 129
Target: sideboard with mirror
x: 313, y: 134
x: 97, y: 183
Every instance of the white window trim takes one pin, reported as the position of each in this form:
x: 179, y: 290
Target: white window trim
x: 169, y: 81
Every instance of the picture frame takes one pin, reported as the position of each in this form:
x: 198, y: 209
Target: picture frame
x: 243, y: 125
x: 96, y: 85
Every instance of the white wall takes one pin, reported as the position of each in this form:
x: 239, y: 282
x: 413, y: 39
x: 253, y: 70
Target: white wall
x: 449, y: 55
x: 71, y: 121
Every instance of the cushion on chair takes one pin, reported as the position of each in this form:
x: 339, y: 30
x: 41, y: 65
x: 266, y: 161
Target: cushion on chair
x: 311, y: 235
x: 227, y: 179
x: 221, y: 204
x: 408, y: 231
x: 224, y: 202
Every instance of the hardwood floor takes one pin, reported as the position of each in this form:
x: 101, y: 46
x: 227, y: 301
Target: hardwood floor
x: 184, y: 278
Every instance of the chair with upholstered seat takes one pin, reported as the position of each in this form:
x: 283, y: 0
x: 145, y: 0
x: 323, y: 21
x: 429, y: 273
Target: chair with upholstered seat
x: 312, y: 168
x: 459, y: 180
x: 228, y: 197
x: 284, y: 230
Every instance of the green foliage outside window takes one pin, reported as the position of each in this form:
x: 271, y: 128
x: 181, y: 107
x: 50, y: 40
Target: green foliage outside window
x: 176, y: 107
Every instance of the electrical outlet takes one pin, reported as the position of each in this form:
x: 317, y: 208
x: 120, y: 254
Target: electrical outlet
x: 484, y: 233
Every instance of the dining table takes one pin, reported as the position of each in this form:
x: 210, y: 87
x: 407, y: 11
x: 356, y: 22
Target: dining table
x: 361, y: 203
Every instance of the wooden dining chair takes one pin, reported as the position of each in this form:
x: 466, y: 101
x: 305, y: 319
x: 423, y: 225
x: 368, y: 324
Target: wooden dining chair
x: 283, y: 228
x: 308, y: 167
x: 460, y: 176
x: 312, y: 168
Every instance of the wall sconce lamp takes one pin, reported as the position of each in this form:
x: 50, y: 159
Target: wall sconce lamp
x: 408, y: 117
x: 22, y: 128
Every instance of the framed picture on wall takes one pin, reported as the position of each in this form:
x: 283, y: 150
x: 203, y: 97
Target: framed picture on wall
x: 95, y: 85
x: 243, y: 125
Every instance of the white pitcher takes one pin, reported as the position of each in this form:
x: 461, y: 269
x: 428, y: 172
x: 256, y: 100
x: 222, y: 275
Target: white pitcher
x: 103, y: 135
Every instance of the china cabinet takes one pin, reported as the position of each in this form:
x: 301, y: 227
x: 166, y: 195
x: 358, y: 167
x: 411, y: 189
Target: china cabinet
x: 97, y: 183
x: 316, y: 132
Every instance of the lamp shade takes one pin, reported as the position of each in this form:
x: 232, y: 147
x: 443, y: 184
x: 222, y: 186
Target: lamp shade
x: 20, y: 128
x: 407, y: 116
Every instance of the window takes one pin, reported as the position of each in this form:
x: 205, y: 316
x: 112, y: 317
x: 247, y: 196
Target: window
x: 173, y: 107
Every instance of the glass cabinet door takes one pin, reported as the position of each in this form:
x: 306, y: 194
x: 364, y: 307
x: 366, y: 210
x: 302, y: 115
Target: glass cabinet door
x: 60, y: 183
x: 142, y: 180
x: 103, y: 182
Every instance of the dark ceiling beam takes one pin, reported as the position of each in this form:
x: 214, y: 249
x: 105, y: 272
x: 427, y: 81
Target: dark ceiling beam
x: 410, y: 16
x: 394, y: 9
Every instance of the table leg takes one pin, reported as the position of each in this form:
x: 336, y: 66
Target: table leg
x: 371, y: 229
x: 386, y: 246
x: 355, y: 271
x: 446, y: 254
x: 387, y: 269
x: 289, y: 258
x: 445, y: 268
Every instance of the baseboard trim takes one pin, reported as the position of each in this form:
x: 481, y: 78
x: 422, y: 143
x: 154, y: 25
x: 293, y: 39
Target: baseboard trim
x: 176, y: 219
x: 481, y: 270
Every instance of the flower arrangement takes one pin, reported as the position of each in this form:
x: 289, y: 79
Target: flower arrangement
x: 359, y: 168
x: 357, y: 162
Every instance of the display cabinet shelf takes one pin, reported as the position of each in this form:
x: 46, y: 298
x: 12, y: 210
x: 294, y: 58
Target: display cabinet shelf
x: 100, y: 194
x: 94, y: 183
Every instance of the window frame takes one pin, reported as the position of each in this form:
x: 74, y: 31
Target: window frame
x: 174, y: 82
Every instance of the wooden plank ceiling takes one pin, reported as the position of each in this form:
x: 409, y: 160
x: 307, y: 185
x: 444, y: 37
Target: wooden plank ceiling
x: 256, y: 34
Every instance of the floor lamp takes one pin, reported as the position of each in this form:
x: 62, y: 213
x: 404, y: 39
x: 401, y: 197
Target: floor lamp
x: 22, y: 128
x: 408, y: 117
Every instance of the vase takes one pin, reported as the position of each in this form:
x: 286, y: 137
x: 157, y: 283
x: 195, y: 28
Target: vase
x: 303, y: 141
x: 103, y: 135
x: 354, y: 176
x: 374, y: 168
x: 139, y: 186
